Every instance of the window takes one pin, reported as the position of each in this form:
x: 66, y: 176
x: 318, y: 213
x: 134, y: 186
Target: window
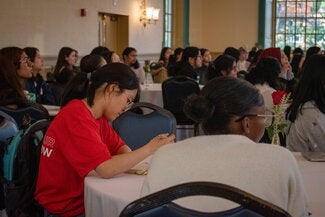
x: 167, y: 42
x: 299, y: 23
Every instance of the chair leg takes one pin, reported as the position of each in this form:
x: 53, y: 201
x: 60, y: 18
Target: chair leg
x: 184, y: 132
x: 196, y: 129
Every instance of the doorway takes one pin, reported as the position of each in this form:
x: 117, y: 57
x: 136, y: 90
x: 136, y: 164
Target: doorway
x: 113, y: 32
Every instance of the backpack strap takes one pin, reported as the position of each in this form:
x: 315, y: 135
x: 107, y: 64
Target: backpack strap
x: 22, y: 143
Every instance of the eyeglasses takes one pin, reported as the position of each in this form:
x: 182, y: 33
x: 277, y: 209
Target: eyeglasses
x: 129, y: 103
x: 268, y: 118
x: 25, y: 60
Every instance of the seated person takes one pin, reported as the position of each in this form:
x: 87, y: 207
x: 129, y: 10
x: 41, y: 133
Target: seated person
x: 164, y: 56
x: 13, y: 99
x: 130, y: 58
x: 242, y: 63
x: 174, y: 61
x: 64, y: 70
x: 21, y: 62
x: 206, y: 61
x: 264, y: 77
x: 307, y: 110
x: 223, y: 65
x: 76, y: 88
x: 12, y: 93
x: 36, y: 84
x: 191, y: 60
x: 80, y: 141
x: 286, y: 79
x: 231, y: 113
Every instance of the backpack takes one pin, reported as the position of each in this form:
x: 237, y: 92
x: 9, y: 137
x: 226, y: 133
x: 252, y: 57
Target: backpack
x: 8, y: 129
x: 26, y: 113
x: 20, y: 169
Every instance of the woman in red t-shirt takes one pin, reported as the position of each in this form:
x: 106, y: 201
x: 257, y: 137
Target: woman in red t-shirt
x: 80, y: 142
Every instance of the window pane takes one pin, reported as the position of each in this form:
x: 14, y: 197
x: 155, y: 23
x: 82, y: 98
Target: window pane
x: 280, y: 25
x: 320, y: 41
x: 301, y: 9
x: 169, y: 6
x: 320, y: 26
x: 291, y: 25
x: 168, y: 23
x: 279, y: 40
x: 310, y: 26
x: 291, y: 9
x: 300, y: 26
x: 280, y: 9
x: 311, y: 9
x: 310, y: 40
x: 300, y: 41
x: 320, y: 9
x: 300, y: 23
x: 290, y: 39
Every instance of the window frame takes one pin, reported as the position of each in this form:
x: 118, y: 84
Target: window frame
x: 168, y: 23
x: 301, y: 17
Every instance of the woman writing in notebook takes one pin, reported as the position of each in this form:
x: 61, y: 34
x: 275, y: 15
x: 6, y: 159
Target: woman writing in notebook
x: 80, y: 142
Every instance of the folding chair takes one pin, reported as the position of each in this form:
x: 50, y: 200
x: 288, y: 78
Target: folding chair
x: 160, y: 203
x: 138, y: 129
x: 175, y: 90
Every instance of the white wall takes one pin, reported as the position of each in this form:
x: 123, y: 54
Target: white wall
x: 52, y: 24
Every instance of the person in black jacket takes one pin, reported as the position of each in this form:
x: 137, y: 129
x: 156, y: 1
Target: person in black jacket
x: 36, y: 84
x: 191, y: 60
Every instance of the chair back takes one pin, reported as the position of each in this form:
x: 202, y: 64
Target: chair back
x: 138, y: 129
x: 160, y: 203
x: 27, y: 114
x: 175, y: 90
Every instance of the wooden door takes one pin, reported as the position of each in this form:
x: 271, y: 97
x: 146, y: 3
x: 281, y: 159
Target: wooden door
x: 114, y: 31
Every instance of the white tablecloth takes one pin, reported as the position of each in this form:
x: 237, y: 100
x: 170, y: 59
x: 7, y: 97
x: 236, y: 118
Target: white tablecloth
x: 313, y: 174
x: 52, y: 109
x: 152, y: 93
x: 108, y: 197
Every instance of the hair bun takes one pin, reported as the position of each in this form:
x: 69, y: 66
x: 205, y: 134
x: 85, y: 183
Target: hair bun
x: 198, y: 108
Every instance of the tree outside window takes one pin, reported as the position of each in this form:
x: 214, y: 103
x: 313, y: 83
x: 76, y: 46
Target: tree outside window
x: 300, y: 23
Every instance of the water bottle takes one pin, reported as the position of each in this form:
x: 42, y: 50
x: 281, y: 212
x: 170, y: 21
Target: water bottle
x: 148, y: 79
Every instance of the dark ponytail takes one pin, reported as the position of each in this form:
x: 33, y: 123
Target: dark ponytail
x: 114, y: 73
x: 77, y: 87
x: 221, y: 99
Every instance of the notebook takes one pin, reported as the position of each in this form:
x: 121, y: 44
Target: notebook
x: 314, y: 156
